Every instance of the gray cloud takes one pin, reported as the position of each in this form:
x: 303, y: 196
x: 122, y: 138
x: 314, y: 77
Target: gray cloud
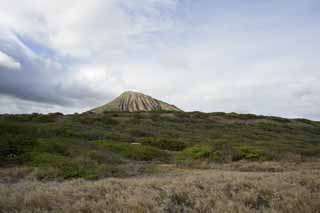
x: 41, y: 80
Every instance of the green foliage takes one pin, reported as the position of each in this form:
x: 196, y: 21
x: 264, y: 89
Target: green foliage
x: 136, y: 118
x: 280, y: 120
x: 58, y: 146
x: 68, y: 141
x: 234, y: 115
x: 134, y: 151
x: 155, y: 117
x: 138, y: 132
x: 16, y: 140
x: 182, y: 117
x: 43, y: 118
x: 305, y: 121
x: 251, y: 153
x: 164, y: 143
x: 197, y: 152
x: 14, y: 149
x: 92, y: 119
x: 67, y: 168
x: 220, y: 151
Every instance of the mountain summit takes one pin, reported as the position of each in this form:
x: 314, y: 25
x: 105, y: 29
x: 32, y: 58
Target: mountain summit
x: 130, y: 101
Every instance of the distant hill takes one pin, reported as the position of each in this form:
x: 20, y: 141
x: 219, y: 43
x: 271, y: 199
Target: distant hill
x: 130, y: 101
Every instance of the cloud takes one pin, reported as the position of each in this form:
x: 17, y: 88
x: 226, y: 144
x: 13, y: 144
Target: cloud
x: 44, y: 80
x: 11, y: 104
x: 254, y: 57
x: 8, y: 62
x: 67, y: 51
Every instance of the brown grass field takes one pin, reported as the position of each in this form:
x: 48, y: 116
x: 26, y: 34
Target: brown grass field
x: 240, y: 187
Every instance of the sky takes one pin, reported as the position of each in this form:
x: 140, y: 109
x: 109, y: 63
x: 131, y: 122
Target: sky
x: 260, y: 57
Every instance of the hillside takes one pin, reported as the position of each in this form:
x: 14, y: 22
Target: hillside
x: 130, y: 101
x: 122, y: 144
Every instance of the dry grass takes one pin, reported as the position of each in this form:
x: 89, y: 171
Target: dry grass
x: 293, y: 188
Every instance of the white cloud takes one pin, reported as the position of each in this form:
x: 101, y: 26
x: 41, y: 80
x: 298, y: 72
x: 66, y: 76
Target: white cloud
x: 83, y: 28
x: 9, y: 62
x: 214, y: 56
x: 17, y: 106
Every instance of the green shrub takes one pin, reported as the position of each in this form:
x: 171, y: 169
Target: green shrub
x: 252, y: 116
x: 43, y: 118
x: 138, y: 132
x: 251, y: 153
x: 155, y: 117
x: 66, y: 168
x: 218, y: 113
x: 55, y: 145
x: 306, y: 121
x: 224, y: 151
x: 225, y: 138
x: 89, y: 119
x: 109, y: 121
x: 18, y: 118
x: 134, y: 151
x: 182, y: 116
x: 137, y: 116
x: 200, y: 115
x: 14, y: 149
x: 103, y: 156
x: 278, y: 119
x: 164, y: 143
x: 45, y: 159
x: 220, y: 151
x: 197, y: 152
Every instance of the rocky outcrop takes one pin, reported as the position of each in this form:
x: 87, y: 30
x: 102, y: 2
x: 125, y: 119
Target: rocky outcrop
x: 135, y: 102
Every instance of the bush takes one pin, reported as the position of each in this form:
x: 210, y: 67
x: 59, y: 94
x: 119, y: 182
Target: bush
x: 182, y: 116
x: 155, y: 117
x: 109, y: 121
x: 43, y: 118
x: 14, y: 149
x: 164, y: 143
x: 66, y: 168
x: 200, y: 115
x: 250, y: 153
x: 220, y: 151
x: 194, y: 153
x: 18, y: 118
x: 136, y: 118
x: 138, y: 133
x: 224, y: 151
x: 225, y: 138
x: 218, y: 113
x: 134, y: 151
x: 306, y: 121
x: 89, y: 119
x: 278, y: 119
x: 55, y: 146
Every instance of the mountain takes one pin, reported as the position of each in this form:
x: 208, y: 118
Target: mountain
x: 130, y: 101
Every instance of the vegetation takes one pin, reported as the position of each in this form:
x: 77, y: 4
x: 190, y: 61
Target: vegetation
x: 243, y: 163
x: 164, y: 143
x: 134, y: 151
x: 294, y: 189
x: 94, y: 146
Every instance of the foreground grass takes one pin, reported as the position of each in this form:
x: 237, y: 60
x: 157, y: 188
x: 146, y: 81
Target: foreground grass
x: 295, y: 189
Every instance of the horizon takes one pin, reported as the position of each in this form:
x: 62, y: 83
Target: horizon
x: 209, y: 56
x: 183, y: 111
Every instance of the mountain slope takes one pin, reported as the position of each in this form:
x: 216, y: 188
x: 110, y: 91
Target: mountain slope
x: 130, y: 101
